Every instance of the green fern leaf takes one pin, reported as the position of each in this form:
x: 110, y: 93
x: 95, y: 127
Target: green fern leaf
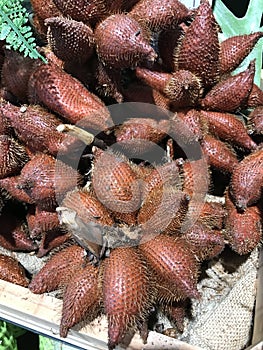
x: 14, y: 29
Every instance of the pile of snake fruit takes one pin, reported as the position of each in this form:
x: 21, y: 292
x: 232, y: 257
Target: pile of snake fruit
x: 109, y: 149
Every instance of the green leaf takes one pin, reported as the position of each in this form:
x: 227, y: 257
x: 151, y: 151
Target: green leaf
x: 15, y: 30
x: 5, y: 30
x: 232, y: 25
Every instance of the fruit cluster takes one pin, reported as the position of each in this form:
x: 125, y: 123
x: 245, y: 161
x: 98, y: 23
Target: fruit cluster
x: 130, y: 232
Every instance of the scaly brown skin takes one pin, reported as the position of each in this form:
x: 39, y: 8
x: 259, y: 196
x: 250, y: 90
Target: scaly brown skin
x: 247, y: 179
x: 12, y: 156
x: 199, y: 49
x: 197, y: 55
x: 81, y: 298
x: 158, y: 14
x: 11, y: 271
x: 256, y: 120
x: 36, y: 128
x: 125, y: 279
x: 234, y: 49
x: 70, y: 30
x: 243, y: 229
x: 219, y: 155
x: 229, y: 128
x: 134, y: 49
x: 174, y: 264
x: 52, y: 275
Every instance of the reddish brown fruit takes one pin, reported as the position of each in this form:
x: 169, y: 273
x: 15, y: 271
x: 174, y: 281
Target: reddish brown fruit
x: 234, y: 49
x: 247, y: 179
x: 204, y: 242
x: 232, y: 93
x: 109, y: 82
x: 121, y: 42
x: 213, y: 215
x: 139, y: 135
x: 243, y: 230
x: 167, y: 43
x: 163, y: 210
x: 184, y: 89
x: 56, y: 89
x: 219, y: 155
x: 80, y: 299
x: 196, y: 178
x: 89, y: 218
x: 11, y: 184
x: 36, y: 128
x: 157, y: 80
x: 176, y: 312
x: 51, y: 240
x: 174, y: 265
x: 115, y: 184
x: 52, y: 275
x: 256, y: 120
x: 12, y: 156
x: 119, y: 5
x: 45, y: 8
x: 16, y: 72
x: 40, y: 221
x: 12, y: 271
x: 196, y: 181
x: 255, y: 97
x: 160, y: 14
x: 125, y: 280
x: 87, y: 207
x: 229, y: 128
x: 137, y: 92
x: 199, y: 49
x: 46, y: 179
x: 13, y: 234
x: 82, y: 11
x: 5, y: 127
x: 161, y: 176
x: 192, y: 120
x: 70, y: 40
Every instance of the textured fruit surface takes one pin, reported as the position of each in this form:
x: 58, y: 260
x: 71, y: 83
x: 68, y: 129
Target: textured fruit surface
x: 121, y: 42
x: 219, y: 155
x: 229, y: 128
x: 204, y: 242
x: 232, y: 93
x: 36, y: 127
x: 243, y: 229
x: 14, y: 235
x: 184, y: 89
x: 56, y: 89
x: 163, y: 210
x: 12, y: 156
x: 158, y: 14
x: 125, y: 280
x: 199, y: 49
x: 80, y: 299
x: 173, y: 263
x: 70, y: 40
x: 11, y: 271
x: 61, y: 268
x: 247, y: 179
x: 256, y: 120
x: 139, y: 135
x: 45, y: 179
x: 234, y: 49
x: 115, y: 184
